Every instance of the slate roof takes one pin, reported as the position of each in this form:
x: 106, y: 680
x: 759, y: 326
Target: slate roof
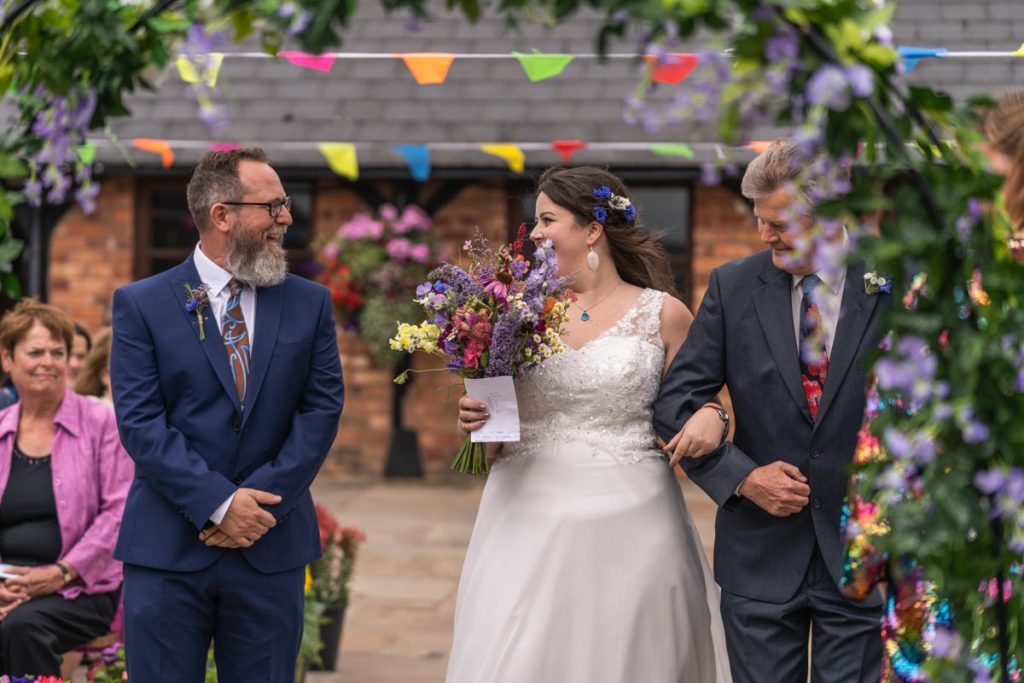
x: 377, y: 101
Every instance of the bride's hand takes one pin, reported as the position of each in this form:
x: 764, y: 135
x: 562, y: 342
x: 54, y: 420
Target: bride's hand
x: 472, y: 414
x: 701, y: 434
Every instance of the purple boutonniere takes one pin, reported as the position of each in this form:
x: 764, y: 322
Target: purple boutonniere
x: 198, y: 299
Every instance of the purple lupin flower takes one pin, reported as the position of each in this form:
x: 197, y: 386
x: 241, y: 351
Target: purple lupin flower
x: 829, y: 87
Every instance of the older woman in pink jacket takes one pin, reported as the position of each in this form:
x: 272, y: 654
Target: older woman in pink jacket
x: 63, y: 481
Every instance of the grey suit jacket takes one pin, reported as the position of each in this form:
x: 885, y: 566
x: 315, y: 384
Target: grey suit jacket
x: 743, y: 338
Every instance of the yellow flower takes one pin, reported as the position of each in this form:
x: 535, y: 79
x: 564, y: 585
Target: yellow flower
x: 309, y: 580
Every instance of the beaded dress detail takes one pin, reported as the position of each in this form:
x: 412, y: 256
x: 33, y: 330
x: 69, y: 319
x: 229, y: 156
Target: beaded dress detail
x: 584, y: 565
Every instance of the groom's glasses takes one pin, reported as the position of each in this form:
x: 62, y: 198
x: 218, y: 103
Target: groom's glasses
x: 273, y: 207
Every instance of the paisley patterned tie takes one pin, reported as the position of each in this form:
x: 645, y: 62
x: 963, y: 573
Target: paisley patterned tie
x: 236, y: 339
x: 812, y: 346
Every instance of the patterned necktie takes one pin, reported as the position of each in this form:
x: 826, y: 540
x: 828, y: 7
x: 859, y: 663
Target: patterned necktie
x: 236, y: 339
x: 812, y: 346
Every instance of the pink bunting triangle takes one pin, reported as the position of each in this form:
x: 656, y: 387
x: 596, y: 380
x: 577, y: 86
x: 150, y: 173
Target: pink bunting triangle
x: 308, y: 61
x: 223, y: 146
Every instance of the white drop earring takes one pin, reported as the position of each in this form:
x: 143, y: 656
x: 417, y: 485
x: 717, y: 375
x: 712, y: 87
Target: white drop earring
x: 592, y: 260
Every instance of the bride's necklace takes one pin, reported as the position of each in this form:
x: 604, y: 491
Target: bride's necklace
x: 585, y: 316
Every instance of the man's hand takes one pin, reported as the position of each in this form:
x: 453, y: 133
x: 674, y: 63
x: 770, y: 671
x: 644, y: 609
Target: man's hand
x: 245, y: 522
x: 215, y: 537
x: 779, y: 489
x: 701, y: 434
x: 34, y: 582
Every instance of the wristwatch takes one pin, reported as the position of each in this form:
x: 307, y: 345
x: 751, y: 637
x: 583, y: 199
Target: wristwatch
x: 723, y: 415
x: 64, y: 571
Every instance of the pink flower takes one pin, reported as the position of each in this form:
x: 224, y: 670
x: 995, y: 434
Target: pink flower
x: 399, y: 249
x: 420, y: 253
x: 498, y: 289
x: 330, y: 250
x: 361, y: 226
x: 413, y: 218
x: 388, y: 212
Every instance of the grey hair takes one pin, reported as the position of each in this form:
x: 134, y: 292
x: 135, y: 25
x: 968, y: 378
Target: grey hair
x: 215, y: 179
x: 780, y: 165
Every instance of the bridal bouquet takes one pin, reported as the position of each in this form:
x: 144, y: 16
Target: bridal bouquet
x: 497, y: 317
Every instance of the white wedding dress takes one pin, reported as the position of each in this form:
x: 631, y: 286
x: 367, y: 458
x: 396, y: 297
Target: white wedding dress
x: 584, y: 565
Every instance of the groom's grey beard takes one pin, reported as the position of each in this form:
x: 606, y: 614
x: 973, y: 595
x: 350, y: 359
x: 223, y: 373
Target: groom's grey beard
x: 252, y: 260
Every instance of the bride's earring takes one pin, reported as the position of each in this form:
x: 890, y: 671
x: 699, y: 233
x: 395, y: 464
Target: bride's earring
x: 592, y: 260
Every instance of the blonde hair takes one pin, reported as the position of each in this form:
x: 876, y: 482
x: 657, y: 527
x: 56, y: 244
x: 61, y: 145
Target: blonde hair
x: 1003, y: 125
x: 90, y: 379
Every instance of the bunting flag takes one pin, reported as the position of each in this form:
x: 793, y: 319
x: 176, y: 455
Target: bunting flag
x: 428, y: 68
x: 87, y: 152
x: 1019, y: 51
x: 759, y: 146
x: 418, y: 159
x: 203, y: 69
x: 911, y: 55
x: 223, y: 146
x: 341, y: 157
x: 567, y: 148
x: 156, y: 146
x: 673, y: 68
x: 512, y: 155
x: 539, y: 66
x: 678, y: 149
x: 308, y: 61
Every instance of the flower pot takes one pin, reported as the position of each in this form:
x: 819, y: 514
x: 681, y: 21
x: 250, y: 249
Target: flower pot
x: 330, y: 636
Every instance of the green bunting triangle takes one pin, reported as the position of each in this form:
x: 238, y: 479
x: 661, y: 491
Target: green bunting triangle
x: 539, y: 66
x: 87, y: 152
x: 673, y: 150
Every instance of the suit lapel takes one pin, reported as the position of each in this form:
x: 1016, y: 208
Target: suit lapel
x: 213, y: 345
x: 854, y: 315
x: 774, y: 306
x: 268, y: 321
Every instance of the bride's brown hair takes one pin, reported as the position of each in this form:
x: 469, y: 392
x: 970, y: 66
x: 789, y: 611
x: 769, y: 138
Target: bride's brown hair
x: 638, y: 256
x: 1003, y: 125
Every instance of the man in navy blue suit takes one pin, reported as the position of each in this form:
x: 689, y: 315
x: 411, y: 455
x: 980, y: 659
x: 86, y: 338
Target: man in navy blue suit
x: 228, y: 390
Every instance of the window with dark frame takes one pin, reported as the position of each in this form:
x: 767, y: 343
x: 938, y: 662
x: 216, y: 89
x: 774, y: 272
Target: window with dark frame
x: 166, y: 234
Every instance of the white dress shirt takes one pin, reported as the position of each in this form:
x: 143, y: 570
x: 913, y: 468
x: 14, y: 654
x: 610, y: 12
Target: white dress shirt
x: 219, y: 294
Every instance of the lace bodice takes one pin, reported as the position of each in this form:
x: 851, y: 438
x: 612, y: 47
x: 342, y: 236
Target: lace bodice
x: 601, y: 394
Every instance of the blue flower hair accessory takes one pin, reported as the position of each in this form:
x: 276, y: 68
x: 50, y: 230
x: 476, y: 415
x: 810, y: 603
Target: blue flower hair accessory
x: 615, y: 202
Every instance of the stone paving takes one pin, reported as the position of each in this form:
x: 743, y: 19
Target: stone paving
x: 399, y: 621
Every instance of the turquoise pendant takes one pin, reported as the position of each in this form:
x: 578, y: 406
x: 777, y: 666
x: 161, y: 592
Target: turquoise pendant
x: 585, y: 317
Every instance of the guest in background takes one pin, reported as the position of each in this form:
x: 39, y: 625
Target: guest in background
x: 94, y: 379
x: 81, y: 345
x: 8, y: 394
x: 64, y: 477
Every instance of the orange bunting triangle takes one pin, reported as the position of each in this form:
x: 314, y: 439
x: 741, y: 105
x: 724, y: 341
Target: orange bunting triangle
x: 156, y: 146
x: 673, y: 69
x: 428, y: 68
x: 759, y: 146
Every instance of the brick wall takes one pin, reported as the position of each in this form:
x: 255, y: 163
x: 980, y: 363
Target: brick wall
x: 723, y: 230
x: 91, y: 256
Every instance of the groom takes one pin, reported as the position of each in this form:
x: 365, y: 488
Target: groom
x: 780, y: 484
x: 228, y: 391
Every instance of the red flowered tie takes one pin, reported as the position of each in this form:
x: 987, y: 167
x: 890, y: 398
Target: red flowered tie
x: 236, y: 339
x: 813, y: 353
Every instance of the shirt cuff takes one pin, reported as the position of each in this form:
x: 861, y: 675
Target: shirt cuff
x: 218, y: 515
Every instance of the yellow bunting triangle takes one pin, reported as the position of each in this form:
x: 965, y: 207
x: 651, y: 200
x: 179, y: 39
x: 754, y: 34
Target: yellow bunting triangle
x: 428, y: 68
x: 204, y: 69
x: 156, y: 146
x: 341, y: 157
x: 1020, y: 51
x: 512, y: 155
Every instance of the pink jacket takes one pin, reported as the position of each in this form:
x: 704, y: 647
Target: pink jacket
x: 91, y: 476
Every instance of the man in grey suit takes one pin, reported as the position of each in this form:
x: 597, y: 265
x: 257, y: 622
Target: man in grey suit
x: 780, y: 484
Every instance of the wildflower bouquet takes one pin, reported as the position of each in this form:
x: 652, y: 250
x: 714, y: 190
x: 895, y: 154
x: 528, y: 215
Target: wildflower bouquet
x: 498, y: 317
x: 369, y: 266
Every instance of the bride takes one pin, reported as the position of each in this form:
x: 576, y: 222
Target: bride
x: 584, y: 565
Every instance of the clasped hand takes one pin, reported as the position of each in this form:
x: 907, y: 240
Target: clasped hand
x: 780, y: 489
x: 32, y: 582
x: 245, y: 522
x: 701, y: 434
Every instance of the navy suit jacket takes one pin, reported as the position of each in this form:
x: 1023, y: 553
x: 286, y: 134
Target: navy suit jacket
x: 182, y: 423
x: 743, y: 338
